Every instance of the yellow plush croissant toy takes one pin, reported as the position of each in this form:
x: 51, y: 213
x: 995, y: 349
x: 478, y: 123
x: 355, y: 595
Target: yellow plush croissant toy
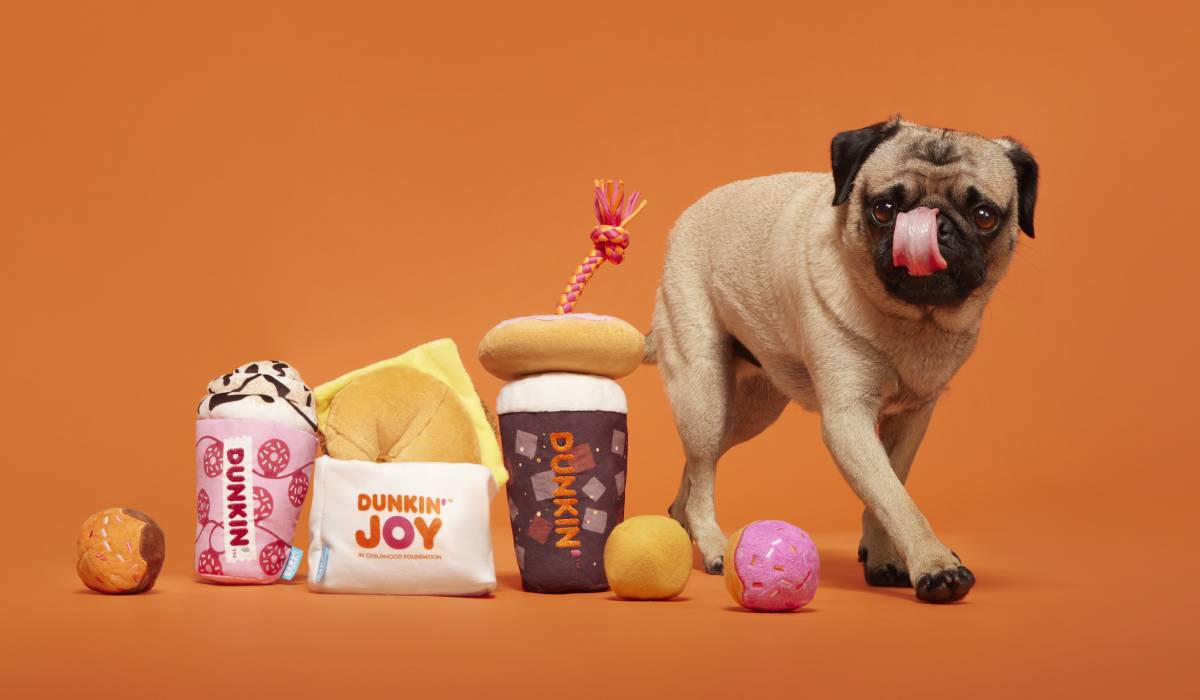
x: 418, y: 407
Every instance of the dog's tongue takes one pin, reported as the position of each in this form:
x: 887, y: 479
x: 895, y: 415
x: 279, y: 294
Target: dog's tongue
x: 914, y: 242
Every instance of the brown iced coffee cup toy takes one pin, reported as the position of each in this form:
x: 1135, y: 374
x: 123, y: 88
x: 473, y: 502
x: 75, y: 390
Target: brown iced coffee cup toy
x: 563, y: 426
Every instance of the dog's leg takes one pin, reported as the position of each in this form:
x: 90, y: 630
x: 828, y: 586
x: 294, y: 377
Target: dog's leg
x: 701, y: 433
x: 757, y: 404
x: 695, y: 361
x: 901, y: 435
x: 754, y: 406
x: 849, y: 431
x: 657, y: 338
x: 678, y: 508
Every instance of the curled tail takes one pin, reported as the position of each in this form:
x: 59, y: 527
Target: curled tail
x: 651, y: 356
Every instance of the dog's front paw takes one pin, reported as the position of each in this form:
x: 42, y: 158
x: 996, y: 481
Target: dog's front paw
x: 715, y: 565
x: 945, y: 586
x: 888, y: 572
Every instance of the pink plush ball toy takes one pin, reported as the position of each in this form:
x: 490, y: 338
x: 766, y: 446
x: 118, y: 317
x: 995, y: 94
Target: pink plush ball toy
x: 771, y: 566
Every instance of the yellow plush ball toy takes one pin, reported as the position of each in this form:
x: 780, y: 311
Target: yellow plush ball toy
x: 648, y: 557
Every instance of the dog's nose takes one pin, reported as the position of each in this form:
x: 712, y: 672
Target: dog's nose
x: 946, y: 229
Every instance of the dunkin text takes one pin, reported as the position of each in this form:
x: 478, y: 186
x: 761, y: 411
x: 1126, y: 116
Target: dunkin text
x: 237, y: 489
x: 566, y: 517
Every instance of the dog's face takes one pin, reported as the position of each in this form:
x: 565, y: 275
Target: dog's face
x: 933, y: 214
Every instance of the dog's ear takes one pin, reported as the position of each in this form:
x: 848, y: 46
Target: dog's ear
x: 1027, y: 182
x: 850, y: 149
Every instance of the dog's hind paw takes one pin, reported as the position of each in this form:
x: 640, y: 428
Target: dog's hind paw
x: 886, y: 574
x: 678, y: 516
x: 945, y: 586
x: 715, y: 566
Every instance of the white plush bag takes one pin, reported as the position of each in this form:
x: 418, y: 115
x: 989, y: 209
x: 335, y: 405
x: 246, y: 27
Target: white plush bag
x: 404, y: 528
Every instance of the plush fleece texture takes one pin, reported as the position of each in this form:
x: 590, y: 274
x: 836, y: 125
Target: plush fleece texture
x: 418, y: 407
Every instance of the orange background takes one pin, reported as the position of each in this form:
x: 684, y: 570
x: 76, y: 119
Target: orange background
x: 184, y: 190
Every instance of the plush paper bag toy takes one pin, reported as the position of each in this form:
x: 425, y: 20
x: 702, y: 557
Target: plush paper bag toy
x: 400, y: 499
x: 562, y: 419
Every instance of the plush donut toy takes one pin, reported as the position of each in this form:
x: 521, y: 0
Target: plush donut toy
x: 120, y: 550
x: 585, y: 343
x: 771, y: 566
x: 648, y: 557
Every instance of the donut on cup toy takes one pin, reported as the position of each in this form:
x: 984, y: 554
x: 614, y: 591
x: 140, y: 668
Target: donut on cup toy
x: 585, y: 343
x: 563, y: 418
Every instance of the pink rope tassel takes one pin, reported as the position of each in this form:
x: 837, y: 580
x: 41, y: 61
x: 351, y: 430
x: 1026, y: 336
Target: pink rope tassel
x: 609, y: 237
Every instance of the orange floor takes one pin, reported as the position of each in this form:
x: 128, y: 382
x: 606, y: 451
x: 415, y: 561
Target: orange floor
x: 183, y: 190
x: 1039, y: 618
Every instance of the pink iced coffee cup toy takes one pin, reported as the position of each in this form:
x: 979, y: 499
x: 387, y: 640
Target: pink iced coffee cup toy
x: 255, y: 447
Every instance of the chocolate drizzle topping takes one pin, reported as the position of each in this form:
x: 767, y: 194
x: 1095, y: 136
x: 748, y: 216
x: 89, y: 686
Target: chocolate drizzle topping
x: 245, y: 390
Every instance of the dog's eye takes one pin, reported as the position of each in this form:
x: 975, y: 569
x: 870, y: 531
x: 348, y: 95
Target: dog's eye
x: 883, y: 212
x: 985, y: 217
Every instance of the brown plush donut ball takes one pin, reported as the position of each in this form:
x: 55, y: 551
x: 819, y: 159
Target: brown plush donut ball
x: 583, y: 343
x: 120, y: 551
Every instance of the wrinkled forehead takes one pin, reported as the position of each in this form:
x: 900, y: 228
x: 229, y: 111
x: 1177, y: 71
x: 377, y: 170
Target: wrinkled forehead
x: 928, y: 161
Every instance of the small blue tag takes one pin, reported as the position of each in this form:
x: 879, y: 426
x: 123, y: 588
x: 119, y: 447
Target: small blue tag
x: 293, y: 563
x: 321, y: 566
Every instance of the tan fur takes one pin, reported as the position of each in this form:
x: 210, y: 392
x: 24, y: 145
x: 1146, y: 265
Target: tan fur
x: 771, y: 262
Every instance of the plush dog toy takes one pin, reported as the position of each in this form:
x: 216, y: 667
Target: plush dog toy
x: 255, y: 445
x: 771, y: 566
x: 418, y: 407
x: 562, y: 419
x: 648, y: 557
x: 120, y: 551
x: 400, y: 502
x: 585, y: 343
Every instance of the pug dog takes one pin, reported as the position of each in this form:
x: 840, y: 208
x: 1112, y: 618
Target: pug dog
x: 856, y: 294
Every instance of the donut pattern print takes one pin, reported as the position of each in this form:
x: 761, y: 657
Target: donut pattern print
x: 252, y: 478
